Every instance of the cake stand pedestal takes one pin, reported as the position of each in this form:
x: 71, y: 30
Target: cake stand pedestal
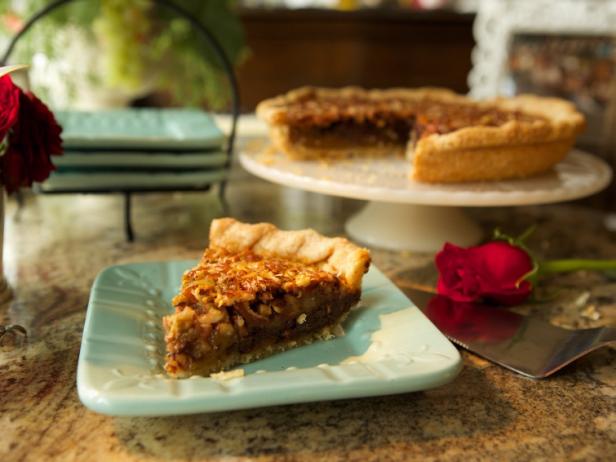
x: 421, y: 228
x: 403, y: 214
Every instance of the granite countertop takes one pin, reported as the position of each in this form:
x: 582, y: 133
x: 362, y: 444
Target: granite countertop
x: 56, y: 245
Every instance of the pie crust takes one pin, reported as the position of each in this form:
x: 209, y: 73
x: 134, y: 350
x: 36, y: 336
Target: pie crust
x: 258, y: 290
x: 523, y: 136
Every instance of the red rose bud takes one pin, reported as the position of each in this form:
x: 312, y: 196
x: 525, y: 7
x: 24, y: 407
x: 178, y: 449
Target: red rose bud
x: 490, y: 272
x: 9, y: 105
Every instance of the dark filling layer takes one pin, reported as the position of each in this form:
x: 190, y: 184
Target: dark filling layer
x: 340, y: 123
x: 271, y: 320
x: 300, y: 314
x: 339, y: 135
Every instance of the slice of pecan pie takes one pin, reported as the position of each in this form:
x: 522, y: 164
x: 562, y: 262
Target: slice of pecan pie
x: 258, y: 290
x: 447, y: 137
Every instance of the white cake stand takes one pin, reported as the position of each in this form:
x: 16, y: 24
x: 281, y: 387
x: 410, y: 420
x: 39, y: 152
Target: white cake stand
x: 406, y: 215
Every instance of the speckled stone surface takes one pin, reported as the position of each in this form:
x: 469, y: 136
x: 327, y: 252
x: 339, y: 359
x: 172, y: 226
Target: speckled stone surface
x: 56, y: 245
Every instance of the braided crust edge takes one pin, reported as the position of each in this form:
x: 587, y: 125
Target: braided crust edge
x: 335, y: 255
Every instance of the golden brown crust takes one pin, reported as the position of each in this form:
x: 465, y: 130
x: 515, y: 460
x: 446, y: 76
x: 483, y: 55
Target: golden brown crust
x: 335, y: 255
x: 562, y: 122
x: 516, y: 148
x: 513, y: 150
x: 489, y: 164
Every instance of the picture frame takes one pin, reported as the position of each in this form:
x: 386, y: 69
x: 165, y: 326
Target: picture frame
x: 564, y: 48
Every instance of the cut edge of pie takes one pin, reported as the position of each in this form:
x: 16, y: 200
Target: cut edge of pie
x: 515, y: 148
x: 321, y: 281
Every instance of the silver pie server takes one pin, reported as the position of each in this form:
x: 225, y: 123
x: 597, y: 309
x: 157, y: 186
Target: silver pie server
x: 524, y: 344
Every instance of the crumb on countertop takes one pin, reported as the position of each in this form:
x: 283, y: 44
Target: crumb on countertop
x: 228, y: 375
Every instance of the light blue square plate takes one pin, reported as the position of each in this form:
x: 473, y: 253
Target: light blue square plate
x: 81, y: 181
x: 102, y: 161
x: 389, y: 347
x: 159, y: 129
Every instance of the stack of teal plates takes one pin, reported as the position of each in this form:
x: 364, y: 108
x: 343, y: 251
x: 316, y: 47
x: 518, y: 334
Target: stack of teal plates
x: 138, y: 149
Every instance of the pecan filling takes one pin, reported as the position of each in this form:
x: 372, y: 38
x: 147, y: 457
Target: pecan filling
x: 316, y: 121
x: 232, y: 304
x: 339, y: 134
x: 437, y: 117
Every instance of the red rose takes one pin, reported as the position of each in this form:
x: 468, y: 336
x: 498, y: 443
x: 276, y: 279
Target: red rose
x: 35, y: 137
x: 490, y: 272
x: 9, y: 105
x: 472, y: 322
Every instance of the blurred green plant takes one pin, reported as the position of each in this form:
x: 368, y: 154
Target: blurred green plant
x: 140, y: 44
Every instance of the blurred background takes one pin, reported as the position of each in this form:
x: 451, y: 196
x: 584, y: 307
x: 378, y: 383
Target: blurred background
x: 114, y: 53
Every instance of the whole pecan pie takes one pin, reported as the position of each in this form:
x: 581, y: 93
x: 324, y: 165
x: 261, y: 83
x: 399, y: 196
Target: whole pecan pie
x: 258, y: 290
x: 447, y: 137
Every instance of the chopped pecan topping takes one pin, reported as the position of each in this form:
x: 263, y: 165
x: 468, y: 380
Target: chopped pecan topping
x: 425, y: 115
x: 223, y: 279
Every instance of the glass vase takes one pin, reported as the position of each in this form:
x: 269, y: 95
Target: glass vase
x: 5, y: 289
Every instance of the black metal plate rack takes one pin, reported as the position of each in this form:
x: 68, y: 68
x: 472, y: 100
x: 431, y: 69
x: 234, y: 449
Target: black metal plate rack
x: 227, y: 66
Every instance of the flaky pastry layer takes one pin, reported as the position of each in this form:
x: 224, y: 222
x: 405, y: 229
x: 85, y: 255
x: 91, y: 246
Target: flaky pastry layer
x: 335, y: 255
